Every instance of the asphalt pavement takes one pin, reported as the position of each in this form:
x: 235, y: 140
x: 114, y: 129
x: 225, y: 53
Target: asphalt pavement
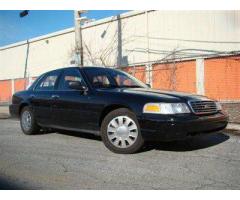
x: 80, y: 161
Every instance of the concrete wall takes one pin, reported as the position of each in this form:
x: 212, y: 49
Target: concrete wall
x: 234, y: 111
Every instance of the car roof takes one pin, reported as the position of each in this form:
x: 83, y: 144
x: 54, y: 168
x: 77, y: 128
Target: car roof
x: 81, y: 68
x: 85, y: 67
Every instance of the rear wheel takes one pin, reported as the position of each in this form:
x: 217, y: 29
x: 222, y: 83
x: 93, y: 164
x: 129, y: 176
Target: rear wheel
x: 121, y: 132
x: 28, y: 122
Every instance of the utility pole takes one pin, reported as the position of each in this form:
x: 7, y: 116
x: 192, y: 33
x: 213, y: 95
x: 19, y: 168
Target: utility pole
x: 78, y: 37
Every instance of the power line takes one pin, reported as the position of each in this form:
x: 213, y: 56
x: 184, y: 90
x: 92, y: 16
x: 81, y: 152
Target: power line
x: 181, y: 54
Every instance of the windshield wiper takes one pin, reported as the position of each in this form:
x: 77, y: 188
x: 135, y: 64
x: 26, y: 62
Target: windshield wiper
x: 107, y: 87
x: 130, y: 86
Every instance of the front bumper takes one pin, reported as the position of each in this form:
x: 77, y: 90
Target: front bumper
x: 178, y: 127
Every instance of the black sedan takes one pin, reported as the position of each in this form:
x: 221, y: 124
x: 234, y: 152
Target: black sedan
x: 115, y: 105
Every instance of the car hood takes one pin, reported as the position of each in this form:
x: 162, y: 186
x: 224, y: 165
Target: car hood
x: 171, y: 95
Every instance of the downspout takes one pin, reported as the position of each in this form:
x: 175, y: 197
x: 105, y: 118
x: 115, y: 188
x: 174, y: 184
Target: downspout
x: 26, y: 64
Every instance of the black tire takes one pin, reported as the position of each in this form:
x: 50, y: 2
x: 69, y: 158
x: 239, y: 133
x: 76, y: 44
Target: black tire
x: 135, y: 147
x: 33, y: 128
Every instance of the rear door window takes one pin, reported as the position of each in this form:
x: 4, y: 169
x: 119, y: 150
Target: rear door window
x: 99, y: 78
x: 48, y: 82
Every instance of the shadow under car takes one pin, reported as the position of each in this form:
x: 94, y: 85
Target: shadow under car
x: 190, y: 144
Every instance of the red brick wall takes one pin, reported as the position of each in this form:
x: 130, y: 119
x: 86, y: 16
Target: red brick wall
x: 180, y: 76
x: 137, y: 71
x: 5, y: 90
x: 222, y: 78
x: 19, y: 84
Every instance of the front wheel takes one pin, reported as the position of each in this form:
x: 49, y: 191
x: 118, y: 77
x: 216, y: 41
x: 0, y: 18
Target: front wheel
x: 28, y: 122
x: 121, y: 133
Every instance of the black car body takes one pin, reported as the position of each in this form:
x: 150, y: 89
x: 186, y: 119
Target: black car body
x: 84, y: 106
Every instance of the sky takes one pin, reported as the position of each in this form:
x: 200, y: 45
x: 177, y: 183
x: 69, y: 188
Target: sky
x: 14, y: 29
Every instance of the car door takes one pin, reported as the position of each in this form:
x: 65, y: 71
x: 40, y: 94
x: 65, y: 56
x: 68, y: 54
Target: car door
x: 74, y: 109
x: 42, y: 97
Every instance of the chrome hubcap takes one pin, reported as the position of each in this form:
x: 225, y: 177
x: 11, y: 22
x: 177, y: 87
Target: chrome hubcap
x: 26, y: 120
x: 122, y: 132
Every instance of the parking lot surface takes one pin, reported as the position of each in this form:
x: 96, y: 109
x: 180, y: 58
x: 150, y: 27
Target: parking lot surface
x: 80, y: 161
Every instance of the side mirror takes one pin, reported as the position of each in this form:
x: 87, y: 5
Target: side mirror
x: 148, y: 85
x: 76, y: 85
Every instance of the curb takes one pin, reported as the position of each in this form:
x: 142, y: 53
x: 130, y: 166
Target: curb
x: 4, y: 116
x: 233, y: 126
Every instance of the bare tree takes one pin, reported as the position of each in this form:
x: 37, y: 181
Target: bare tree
x: 106, y: 55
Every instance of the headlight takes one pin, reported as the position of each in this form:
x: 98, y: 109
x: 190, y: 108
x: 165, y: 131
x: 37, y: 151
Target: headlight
x: 219, y: 106
x: 166, y: 108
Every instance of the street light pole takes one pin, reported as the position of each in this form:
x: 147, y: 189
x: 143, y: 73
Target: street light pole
x: 78, y: 37
x: 24, y: 14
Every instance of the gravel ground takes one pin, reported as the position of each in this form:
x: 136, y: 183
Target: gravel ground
x: 80, y: 161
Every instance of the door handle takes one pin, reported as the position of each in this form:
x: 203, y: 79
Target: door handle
x: 55, y: 97
x: 32, y: 96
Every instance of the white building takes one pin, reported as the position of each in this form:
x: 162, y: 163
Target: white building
x: 132, y: 38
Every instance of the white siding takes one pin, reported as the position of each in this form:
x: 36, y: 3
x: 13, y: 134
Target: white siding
x: 12, y: 62
x: 45, y: 56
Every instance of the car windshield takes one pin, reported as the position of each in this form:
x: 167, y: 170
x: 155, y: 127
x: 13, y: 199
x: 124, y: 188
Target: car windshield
x: 111, y: 78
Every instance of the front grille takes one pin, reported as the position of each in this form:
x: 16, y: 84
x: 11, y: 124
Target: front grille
x: 203, y: 107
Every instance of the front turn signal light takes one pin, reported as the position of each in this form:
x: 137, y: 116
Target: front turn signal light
x: 166, y: 108
x: 152, y: 108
